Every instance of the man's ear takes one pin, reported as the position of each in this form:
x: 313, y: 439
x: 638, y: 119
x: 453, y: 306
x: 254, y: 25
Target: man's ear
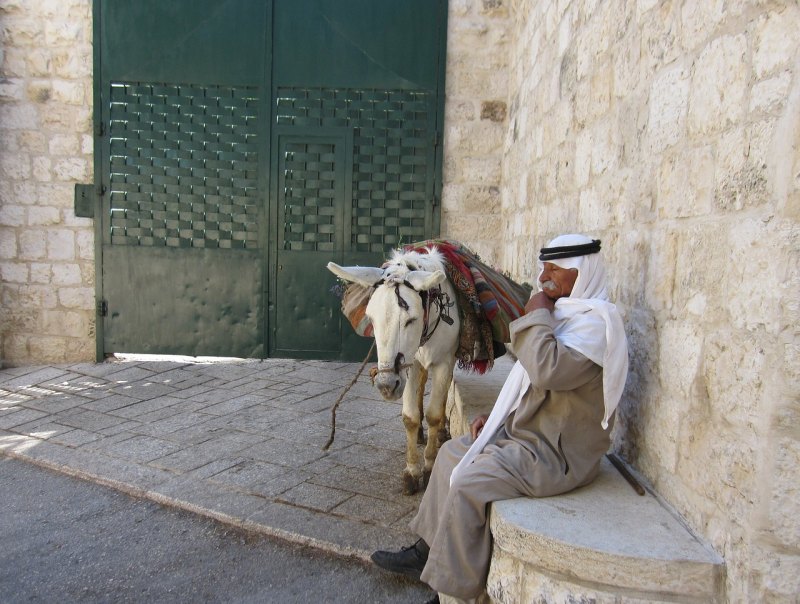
x: 367, y: 276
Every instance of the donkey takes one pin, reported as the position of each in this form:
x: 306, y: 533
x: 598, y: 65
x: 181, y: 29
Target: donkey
x: 415, y: 337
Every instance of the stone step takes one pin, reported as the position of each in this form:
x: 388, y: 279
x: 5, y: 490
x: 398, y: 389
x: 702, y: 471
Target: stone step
x: 601, y: 543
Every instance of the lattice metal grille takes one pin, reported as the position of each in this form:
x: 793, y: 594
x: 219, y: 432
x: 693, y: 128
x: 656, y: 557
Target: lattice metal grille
x: 392, y: 142
x: 184, y: 166
x: 309, y: 196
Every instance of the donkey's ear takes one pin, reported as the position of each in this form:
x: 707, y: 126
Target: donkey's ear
x: 363, y: 275
x: 424, y: 280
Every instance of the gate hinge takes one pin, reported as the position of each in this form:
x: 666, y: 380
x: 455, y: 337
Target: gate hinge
x: 100, y: 129
x: 102, y: 308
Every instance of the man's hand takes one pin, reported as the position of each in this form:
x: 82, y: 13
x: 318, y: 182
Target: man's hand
x: 540, y: 300
x: 477, y: 425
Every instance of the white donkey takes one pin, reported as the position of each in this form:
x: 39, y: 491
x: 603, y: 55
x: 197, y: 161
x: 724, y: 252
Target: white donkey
x: 415, y: 337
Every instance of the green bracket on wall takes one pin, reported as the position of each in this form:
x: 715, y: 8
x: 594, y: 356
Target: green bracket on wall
x: 84, y: 201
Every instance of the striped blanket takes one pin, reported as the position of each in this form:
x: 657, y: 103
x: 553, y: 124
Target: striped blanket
x: 487, y: 300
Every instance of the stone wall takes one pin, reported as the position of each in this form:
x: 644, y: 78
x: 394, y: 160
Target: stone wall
x: 46, y: 254
x: 476, y: 118
x: 670, y: 130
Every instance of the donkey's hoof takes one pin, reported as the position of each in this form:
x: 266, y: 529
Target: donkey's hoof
x: 410, y: 484
x: 426, y: 478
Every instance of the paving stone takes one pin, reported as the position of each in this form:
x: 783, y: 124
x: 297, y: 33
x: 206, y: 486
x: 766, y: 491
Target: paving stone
x: 141, y: 449
x: 212, y: 396
x: 248, y: 384
x: 148, y: 410
x: 275, y: 487
x: 214, y: 467
x: 284, y: 453
x: 210, y: 499
x: 249, y: 472
x: 43, y: 428
x: 110, y: 402
x: 315, y: 404
x: 126, y: 426
x: 232, y: 405
x: 143, y: 389
x: 186, y: 460
x: 162, y: 366
x: 128, y: 374
x: 32, y: 378
x: 379, y: 511
x: 315, y: 496
x: 364, y: 456
x: 72, y: 437
x: 231, y: 372
x: 88, y: 420
x: 172, y: 424
x: 56, y: 403
x: 282, y: 398
x: 98, y: 370
x: 376, y: 485
x: 17, y: 416
x: 193, y: 392
x: 13, y: 398
x: 343, y: 535
x: 261, y: 419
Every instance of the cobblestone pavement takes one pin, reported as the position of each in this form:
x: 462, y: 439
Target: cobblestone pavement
x: 240, y: 441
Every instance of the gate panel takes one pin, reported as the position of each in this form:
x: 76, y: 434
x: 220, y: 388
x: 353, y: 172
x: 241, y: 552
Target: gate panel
x: 183, y: 105
x: 313, y: 168
x: 195, y: 303
x: 183, y: 178
x: 388, y: 201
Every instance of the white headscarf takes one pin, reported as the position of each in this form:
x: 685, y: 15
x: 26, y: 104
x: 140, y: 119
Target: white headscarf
x: 585, y: 321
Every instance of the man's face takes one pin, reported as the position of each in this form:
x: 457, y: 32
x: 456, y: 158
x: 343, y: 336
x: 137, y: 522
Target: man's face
x: 557, y: 282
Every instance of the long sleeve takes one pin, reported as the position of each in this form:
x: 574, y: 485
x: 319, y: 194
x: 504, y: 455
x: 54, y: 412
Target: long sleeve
x: 550, y: 364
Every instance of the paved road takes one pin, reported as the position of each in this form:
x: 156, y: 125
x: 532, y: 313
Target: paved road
x: 67, y: 540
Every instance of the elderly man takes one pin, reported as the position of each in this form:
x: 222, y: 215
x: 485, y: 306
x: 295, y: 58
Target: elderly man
x: 547, y: 432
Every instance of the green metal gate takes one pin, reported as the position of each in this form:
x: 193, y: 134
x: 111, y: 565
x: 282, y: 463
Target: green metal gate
x: 242, y: 145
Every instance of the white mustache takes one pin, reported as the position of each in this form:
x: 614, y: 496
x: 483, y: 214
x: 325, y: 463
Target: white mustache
x: 549, y: 286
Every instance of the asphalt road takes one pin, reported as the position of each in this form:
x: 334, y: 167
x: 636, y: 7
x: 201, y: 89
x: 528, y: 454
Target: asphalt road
x: 66, y: 540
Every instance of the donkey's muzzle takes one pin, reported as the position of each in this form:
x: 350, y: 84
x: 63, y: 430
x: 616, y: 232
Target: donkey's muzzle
x: 390, y: 385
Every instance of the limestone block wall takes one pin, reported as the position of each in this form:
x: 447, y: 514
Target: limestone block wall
x: 670, y: 129
x: 476, y: 118
x: 46, y: 254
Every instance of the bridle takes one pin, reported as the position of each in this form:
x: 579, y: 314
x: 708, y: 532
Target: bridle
x: 433, y: 297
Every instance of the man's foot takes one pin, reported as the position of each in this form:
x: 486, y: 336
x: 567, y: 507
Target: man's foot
x: 409, y: 561
x: 433, y: 600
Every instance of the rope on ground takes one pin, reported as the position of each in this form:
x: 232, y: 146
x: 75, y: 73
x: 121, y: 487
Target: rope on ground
x: 341, y: 396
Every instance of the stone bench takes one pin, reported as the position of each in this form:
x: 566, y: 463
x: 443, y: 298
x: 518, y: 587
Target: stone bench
x: 600, y: 543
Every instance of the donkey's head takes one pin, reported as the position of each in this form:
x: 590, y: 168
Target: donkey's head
x: 396, y: 312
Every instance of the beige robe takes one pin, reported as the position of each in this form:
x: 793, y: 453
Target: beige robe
x: 551, y: 444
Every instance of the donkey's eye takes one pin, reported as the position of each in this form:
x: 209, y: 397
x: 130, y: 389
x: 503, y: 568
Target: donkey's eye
x: 410, y: 321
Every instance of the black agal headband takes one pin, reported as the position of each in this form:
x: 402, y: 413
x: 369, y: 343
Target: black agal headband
x: 569, y: 251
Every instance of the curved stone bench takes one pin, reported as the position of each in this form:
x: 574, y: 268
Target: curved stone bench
x: 600, y: 543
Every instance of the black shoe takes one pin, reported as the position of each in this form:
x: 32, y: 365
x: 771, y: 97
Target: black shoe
x: 433, y: 600
x: 409, y: 561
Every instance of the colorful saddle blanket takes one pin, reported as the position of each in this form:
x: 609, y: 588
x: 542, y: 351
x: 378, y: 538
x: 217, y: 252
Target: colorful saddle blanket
x: 487, y: 301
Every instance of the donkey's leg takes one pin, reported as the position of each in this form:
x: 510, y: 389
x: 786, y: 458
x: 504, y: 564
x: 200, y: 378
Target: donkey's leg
x: 442, y: 376
x: 412, y: 420
x: 423, y: 379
